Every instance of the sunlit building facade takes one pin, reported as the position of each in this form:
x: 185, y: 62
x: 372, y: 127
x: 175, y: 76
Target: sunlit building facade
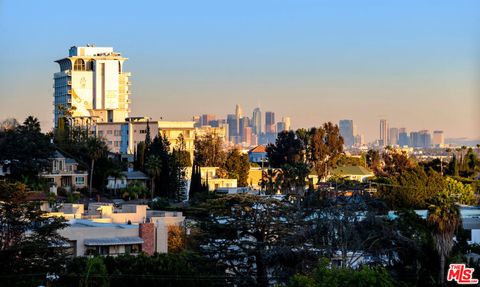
x: 92, y: 86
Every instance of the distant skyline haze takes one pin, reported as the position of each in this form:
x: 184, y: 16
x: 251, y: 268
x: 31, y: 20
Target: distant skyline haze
x: 414, y: 63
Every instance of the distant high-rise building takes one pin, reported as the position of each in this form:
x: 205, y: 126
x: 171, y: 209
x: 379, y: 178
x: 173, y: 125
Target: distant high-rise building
x: 346, y: 131
x: 91, y: 84
x: 206, y: 119
x: 281, y: 127
x: 244, y: 122
x: 232, y: 128
x: 197, y: 120
x: 238, y: 116
x: 257, y: 121
x: 359, y: 140
x: 393, y: 137
x: 383, y: 132
x: 269, y: 122
x: 247, y: 136
x: 425, y: 138
x: 403, y: 138
x: 288, y: 123
x: 420, y: 139
x: 438, y: 139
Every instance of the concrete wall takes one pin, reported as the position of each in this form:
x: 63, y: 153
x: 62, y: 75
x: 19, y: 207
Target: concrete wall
x: 79, y: 234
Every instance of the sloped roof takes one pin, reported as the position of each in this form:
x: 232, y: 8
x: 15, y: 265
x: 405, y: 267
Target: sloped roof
x: 258, y: 148
x: 352, y: 170
x: 113, y: 241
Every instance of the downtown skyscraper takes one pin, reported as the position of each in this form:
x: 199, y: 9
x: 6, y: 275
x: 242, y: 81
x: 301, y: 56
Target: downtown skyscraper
x: 257, y: 122
x: 383, y: 133
x: 346, y: 131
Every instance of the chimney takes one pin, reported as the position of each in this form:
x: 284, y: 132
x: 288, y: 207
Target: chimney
x: 147, y: 233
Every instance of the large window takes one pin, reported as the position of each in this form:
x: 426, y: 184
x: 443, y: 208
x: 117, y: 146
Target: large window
x: 79, y: 65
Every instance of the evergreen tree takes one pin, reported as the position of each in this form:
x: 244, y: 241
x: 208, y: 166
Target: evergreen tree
x: 148, y: 139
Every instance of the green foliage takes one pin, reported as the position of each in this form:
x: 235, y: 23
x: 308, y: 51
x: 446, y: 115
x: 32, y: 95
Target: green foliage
x: 29, y: 241
x: 412, y: 188
x: 209, y: 150
x: 172, y: 269
x: 325, y: 148
x: 444, y: 217
x: 26, y: 150
x: 325, y: 275
x: 288, y: 149
x: 237, y: 166
x: 135, y: 191
x: 248, y: 234
x: 462, y: 193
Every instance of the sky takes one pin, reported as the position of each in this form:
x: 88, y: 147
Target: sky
x: 415, y: 63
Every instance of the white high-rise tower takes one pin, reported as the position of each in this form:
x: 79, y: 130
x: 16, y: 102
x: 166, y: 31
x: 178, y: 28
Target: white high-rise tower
x: 92, y: 86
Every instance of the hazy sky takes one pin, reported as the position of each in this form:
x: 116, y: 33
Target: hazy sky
x: 416, y: 63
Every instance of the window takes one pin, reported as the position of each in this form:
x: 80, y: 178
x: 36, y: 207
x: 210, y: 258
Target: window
x: 118, y: 132
x: 79, y: 180
x: 100, y: 133
x: 109, y: 132
x: 143, y: 131
x: 132, y: 248
x: 117, y: 143
x: 79, y: 65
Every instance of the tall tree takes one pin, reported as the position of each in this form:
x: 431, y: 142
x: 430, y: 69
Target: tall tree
x: 287, y: 149
x: 148, y: 138
x: 26, y: 150
x: 237, y: 166
x: 326, y: 147
x: 444, y: 217
x: 209, y: 150
x: 248, y: 234
x: 153, y: 166
x: 29, y: 241
x: 96, y: 148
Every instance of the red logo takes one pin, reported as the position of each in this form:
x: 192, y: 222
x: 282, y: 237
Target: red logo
x: 461, y: 274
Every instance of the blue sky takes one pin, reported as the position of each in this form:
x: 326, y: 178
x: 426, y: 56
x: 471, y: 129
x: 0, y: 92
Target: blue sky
x: 416, y: 63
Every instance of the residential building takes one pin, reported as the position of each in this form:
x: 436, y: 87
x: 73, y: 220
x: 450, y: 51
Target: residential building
x: 92, y: 84
x: 346, y: 131
x: 65, y: 174
x: 106, y: 230
x: 123, y: 137
x: 258, y: 155
x: 128, y: 178
x: 221, y: 131
x: 356, y: 173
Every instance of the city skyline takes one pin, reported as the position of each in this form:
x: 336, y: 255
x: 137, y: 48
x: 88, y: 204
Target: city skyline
x: 420, y: 74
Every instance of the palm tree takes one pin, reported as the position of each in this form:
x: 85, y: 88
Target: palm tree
x: 153, y: 166
x: 116, y: 173
x: 444, y: 217
x: 96, y: 148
